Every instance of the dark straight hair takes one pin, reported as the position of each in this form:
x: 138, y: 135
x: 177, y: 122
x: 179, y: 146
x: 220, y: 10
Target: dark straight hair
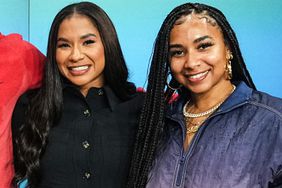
x: 152, y: 118
x: 45, y: 106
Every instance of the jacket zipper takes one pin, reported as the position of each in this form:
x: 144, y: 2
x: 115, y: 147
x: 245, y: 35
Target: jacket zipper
x: 186, y: 156
x: 180, y: 171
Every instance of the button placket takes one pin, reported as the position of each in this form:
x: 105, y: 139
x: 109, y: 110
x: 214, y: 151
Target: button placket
x: 87, y: 175
x: 85, y: 144
x: 86, y: 113
x: 100, y: 92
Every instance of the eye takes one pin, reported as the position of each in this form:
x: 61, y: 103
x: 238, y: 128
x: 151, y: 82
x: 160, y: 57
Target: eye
x: 63, y: 45
x: 204, y: 46
x: 176, y: 53
x: 88, y: 42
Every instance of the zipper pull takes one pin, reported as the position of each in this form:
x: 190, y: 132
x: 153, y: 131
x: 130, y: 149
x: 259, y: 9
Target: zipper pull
x: 180, y: 171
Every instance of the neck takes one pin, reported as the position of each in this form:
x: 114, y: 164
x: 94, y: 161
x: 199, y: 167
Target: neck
x: 204, y: 101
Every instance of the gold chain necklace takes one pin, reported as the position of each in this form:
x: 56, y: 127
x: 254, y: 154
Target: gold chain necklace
x: 201, y: 114
x: 195, y: 126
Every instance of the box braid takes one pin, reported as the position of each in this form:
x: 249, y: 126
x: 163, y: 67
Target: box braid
x: 239, y: 69
x: 152, y: 119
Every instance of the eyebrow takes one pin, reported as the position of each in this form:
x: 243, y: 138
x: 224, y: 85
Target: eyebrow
x: 195, y: 41
x: 202, y: 38
x: 88, y: 35
x: 82, y: 37
x: 175, y: 46
x: 62, y: 39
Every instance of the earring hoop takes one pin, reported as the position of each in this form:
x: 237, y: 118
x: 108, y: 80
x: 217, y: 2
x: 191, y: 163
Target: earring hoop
x: 228, y: 68
x: 171, y: 82
x: 173, y: 88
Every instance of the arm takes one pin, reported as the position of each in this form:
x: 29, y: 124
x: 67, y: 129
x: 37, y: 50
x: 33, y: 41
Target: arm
x: 21, y: 67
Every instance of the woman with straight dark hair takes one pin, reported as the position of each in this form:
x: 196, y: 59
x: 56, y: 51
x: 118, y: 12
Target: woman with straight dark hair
x: 221, y: 131
x: 78, y: 128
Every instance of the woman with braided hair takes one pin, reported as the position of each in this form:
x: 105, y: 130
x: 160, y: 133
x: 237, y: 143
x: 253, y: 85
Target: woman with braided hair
x: 220, y: 131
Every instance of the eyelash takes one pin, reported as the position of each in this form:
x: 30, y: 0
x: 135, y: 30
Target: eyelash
x: 63, y: 45
x: 176, y: 53
x: 204, y: 45
x: 87, y: 42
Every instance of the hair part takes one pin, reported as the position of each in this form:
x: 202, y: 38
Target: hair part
x: 45, y: 106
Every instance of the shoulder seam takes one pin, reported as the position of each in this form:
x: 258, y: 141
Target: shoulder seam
x: 267, y: 107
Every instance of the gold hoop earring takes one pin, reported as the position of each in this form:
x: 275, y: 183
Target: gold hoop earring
x: 171, y: 81
x: 228, y: 68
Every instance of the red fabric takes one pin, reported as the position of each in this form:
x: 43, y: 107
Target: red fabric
x: 21, y: 67
x: 173, y: 98
x: 140, y: 89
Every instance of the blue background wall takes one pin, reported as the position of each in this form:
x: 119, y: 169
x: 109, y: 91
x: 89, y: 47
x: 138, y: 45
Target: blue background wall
x: 14, y: 17
x: 258, y: 25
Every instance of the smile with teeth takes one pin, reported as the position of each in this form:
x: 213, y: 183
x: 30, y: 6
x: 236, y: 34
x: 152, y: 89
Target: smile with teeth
x: 81, y: 68
x: 197, y: 77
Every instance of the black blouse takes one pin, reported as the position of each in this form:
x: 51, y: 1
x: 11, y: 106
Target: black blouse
x: 91, y: 146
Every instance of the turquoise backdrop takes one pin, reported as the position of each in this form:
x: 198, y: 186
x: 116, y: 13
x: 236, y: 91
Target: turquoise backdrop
x: 258, y: 24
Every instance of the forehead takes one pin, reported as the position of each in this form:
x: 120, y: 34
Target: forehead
x: 76, y: 23
x: 196, y: 25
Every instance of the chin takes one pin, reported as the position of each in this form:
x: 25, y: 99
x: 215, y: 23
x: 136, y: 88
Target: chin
x: 198, y: 89
x: 78, y: 82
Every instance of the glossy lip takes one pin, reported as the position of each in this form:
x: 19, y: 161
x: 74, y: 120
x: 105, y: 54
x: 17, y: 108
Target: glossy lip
x: 78, y: 72
x: 194, y: 78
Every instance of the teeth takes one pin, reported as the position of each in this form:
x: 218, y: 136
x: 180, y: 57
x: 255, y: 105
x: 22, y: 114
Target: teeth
x: 79, y: 68
x: 198, y: 75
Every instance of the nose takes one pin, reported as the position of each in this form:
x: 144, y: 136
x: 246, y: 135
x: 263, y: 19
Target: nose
x: 76, y: 54
x: 191, y: 61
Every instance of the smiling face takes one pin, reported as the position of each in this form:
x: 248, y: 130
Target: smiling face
x: 80, y: 53
x: 198, y: 54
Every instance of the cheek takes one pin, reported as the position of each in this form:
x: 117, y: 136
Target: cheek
x: 218, y: 57
x: 59, y: 57
x: 60, y: 62
x: 211, y: 58
x: 217, y: 62
x: 175, y: 67
x: 62, y: 69
x: 102, y: 58
x: 100, y: 54
x: 99, y: 58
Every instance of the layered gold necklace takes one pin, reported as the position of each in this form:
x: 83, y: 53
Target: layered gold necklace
x: 194, y: 127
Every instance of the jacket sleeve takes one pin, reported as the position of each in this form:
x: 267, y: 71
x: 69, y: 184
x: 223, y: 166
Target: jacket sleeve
x: 276, y: 181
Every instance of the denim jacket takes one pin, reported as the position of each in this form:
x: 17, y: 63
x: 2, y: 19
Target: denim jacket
x: 239, y: 146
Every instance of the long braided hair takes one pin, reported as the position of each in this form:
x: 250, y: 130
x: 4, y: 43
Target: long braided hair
x: 152, y: 120
x: 45, y: 106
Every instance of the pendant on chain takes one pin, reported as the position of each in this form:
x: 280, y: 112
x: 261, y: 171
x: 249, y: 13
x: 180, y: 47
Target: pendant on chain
x: 195, y: 126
